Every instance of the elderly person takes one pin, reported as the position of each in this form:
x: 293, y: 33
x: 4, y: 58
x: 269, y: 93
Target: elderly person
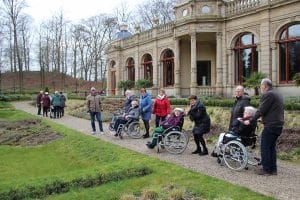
x: 56, y: 102
x: 129, y: 98
x: 161, y: 107
x: 271, y: 110
x: 132, y: 114
x: 39, y: 101
x: 46, y: 104
x: 93, y: 103
x: 201, y: 121
x: 175, y: 119
x: 240, y: 127
x: 240, y: 103
x: 145, y: 110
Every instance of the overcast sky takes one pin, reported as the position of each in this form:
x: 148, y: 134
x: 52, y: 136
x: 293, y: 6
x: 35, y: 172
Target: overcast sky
x: 73, y: 9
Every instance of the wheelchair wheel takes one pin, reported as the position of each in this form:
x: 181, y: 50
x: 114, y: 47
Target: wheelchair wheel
x: 235, y: 155
x: 175, y: 142
x: 135, y: 130
x: 111, y: 126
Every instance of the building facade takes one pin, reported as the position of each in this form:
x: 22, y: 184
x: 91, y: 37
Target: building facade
x: 211, y: 47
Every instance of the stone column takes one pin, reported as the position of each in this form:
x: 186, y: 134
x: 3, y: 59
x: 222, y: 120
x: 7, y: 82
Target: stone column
x: 177, y: 68
x: 108, y: 75
x: 193, y: 85
x: 219, y: 85
x: 230, y: 67
x: 155, y: 65
x: 275, y: 79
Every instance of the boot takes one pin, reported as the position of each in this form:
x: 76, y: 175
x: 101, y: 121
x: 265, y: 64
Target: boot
x: 198, y: 150
x: 204, y: 152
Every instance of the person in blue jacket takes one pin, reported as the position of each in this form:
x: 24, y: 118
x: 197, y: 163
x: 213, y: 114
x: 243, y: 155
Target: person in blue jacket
x: 146, y: 110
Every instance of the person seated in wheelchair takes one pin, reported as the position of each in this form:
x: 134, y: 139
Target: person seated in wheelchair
x: 242, y: 128
x: 132, y: 114
x: 175, y: 119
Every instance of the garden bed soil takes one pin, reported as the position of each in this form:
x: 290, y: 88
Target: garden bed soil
x: 30, y: 132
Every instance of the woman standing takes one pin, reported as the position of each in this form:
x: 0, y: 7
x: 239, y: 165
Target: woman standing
x: 161, y: 107
x: 201, y: 120
x: 146, y: 108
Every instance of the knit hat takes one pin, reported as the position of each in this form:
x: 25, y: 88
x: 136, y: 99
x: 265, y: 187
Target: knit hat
x: 179, y: 109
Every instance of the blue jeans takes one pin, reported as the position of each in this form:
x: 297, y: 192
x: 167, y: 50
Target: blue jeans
x: 98, y: 116
x: 268, y: 148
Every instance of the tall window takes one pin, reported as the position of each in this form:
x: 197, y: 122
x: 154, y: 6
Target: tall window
x: 130, y: 69
x: 148, y: 68
x: 246, y: 57
x: 168, y: 68
x: 289, y: 50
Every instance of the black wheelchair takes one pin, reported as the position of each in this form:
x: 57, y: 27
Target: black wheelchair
x: 133, y: 128
x: 238, y: 152
x: 173, y: 139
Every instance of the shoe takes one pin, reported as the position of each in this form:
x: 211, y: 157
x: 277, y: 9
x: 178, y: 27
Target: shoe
x: 203, y: 153
x: 93, y: 132
x: 263, y: 172
x: 149, y: 146
x: 116, y: 134
x: 274, y: 172
x: 101, y: 133
x: 146, y: 136
x: 214, y: 154
x: 196, y: 151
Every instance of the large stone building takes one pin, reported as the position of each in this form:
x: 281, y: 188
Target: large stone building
x: 211, y: 46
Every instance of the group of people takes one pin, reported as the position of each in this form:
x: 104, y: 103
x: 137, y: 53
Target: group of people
x: 242, y: 122
x: 54, y: 104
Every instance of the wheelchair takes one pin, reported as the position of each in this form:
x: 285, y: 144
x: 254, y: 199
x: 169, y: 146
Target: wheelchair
x: 173, y: 139
x: 133, y: 128
x: 238, y: 152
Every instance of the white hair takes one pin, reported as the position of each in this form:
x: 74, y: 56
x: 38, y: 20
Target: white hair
x: 266, y: 82
x: 129, y: 92
x: 251, y: 110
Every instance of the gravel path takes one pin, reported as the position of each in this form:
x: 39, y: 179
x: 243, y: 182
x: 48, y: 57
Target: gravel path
x: 286, y: 185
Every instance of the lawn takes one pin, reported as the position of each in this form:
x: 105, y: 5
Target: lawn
x: 83, y: 167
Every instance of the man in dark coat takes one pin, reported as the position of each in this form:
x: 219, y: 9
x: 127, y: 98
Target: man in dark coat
x: 240, y: 103
x: 201, y: 120
x: 271, y: 110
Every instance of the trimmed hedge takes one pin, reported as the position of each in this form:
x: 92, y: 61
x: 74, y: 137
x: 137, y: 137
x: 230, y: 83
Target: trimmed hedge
x: 59, y: 186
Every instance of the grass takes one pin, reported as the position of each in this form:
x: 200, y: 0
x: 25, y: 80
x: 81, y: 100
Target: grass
x: 77, y: 155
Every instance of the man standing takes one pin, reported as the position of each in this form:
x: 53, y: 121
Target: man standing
x: 39, y: 102
x: 93, y: 102
x: 271, y: 109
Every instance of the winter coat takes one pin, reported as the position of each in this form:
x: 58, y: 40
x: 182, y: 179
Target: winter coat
x: 245, y: 131
x: 93, y: 103
x: 46, y: 101
x: 39, y: 99
x: 271, y: 109
x: 161, y: 106
x: 238, y: 108
x: 173, y: 120
x: 63, y: 100
x: 146, y: 106
x: 56, y: 101
x: 200, y: 117
x: 127, y: 103
x: 133, y: 113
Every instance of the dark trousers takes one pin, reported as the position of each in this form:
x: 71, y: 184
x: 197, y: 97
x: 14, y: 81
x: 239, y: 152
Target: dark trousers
x: 147, y: 126
x: 200, y: 140
x: 120, y: 120
x: 62, y: 111
x: 45, y: 111
x: 39, y: 109
x: 268, y: 148
x: 98, y: 116
x: 56, y: 112
x: 159, y: 119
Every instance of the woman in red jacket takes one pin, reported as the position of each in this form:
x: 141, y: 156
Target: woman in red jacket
x: 161, y: 107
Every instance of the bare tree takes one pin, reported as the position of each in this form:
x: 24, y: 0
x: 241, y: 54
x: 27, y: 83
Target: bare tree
x: 13, y: 9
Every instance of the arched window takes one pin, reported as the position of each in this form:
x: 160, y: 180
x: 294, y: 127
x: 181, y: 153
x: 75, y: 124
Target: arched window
x: 130, y: 69
x: 289, y: 51
x: 246, y: 57
x: 148, y: 67
x: 168, y: 68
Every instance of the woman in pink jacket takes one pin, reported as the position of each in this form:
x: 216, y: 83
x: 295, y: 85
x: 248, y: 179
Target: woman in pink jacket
x: 161, y: 107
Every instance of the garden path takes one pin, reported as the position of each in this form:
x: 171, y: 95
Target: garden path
x: 286, y: 185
